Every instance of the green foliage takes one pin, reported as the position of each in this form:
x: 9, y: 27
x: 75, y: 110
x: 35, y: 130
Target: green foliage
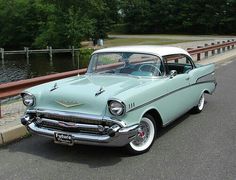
x: 175, y: 16
x: 57, y: 23
x: 63, y: 23
x: 84, y: 57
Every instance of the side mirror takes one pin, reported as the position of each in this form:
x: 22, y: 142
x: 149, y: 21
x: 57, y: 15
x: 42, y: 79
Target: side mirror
x: 173, y: 73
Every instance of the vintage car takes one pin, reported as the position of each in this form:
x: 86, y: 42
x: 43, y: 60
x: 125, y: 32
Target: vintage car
x: 127, y: 94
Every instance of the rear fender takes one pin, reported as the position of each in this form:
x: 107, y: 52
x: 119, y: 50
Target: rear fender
x: 202, y: 74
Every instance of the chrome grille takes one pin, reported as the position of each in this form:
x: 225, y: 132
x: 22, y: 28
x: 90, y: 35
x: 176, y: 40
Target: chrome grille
x: 70, y: 126
x: 73, y: 119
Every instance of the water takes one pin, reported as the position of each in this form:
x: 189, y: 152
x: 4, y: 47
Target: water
x: 17, y: 67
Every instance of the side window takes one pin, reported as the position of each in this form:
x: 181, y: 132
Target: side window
x: 179, y: 62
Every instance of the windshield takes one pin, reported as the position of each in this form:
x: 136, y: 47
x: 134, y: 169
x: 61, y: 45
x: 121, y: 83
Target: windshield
x: 136, y: 64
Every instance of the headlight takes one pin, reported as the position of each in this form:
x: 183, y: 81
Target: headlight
x: 28, y: 99
x: 116, y: 108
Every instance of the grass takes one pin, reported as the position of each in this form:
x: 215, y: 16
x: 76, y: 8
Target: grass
x: 140, y: 41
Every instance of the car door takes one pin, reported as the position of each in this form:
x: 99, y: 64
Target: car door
x: 178, y: 99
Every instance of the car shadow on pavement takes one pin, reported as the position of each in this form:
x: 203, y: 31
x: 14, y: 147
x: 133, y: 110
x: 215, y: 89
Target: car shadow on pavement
x: 173, y: 124
x: 93, y: 156
x: 178, y: 121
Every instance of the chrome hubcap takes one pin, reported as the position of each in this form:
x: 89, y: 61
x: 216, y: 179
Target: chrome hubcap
x: 143, y: 134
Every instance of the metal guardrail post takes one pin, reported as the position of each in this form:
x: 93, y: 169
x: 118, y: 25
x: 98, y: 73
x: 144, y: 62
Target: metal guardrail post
x: 228, y: 47
x: 233, y: 44
x: 213, y: 51
x: 0, y: 109
x: 206, y: 53
x: 223, y: 49
x: 199, y: 54
x: 218, y: 50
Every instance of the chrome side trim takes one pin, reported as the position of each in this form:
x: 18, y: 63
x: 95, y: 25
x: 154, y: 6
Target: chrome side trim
x: 207, y: 77
x: 160, y: 97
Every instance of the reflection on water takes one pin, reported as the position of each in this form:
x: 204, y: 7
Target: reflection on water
x: 17, y: 67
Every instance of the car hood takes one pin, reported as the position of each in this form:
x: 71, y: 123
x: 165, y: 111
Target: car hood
x: 84, y: 94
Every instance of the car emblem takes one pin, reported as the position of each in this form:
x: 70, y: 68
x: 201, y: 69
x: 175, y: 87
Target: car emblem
x: 54, y: 87
x: 68, y: 104
x: 100, y: 91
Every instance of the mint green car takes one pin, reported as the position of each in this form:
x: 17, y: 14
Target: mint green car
x: 126, y: 96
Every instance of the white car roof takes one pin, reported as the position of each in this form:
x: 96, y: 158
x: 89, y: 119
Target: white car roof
x: 149, y: 49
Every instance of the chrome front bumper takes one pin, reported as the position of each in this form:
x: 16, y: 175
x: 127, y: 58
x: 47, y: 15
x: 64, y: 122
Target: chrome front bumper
x: 117, y: 134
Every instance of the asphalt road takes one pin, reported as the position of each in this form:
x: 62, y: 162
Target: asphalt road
x: 201, y: 146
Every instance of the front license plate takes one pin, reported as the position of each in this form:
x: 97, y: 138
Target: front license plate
x: 61, y: 138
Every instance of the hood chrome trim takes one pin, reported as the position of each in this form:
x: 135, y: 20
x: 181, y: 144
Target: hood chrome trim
x: 54, y: 87
x: 100, y: 91
x: 67, y: 105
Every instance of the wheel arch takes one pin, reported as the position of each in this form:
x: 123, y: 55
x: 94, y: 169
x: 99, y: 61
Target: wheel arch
x: 156, y: 115
x: 206, y: 91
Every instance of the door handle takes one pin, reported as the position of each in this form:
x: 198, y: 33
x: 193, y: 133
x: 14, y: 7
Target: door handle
x: 187, y: 78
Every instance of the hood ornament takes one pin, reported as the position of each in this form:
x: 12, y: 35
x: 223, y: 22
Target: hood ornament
x: 100, y: 91
x: 54, y: 87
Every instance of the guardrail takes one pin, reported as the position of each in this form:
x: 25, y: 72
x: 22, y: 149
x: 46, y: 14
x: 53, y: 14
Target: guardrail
x: 15, y: 88
x: 213, y: 48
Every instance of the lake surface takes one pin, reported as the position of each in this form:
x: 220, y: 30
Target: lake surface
x: 17, y: 67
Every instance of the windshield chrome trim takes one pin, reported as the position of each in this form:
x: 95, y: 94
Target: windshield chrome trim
x: 148, y: 77
x: 126, y: 75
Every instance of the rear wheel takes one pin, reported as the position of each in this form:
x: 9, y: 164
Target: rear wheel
x: 200, y: 106
x: 145, y: 137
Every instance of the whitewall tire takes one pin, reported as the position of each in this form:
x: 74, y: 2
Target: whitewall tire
x: 145, y: 137
x: 200, y: 105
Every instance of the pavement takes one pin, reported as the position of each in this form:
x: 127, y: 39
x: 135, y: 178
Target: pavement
x: 12, y: 130
x: 194, y: 147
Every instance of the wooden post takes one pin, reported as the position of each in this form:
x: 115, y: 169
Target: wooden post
x: 206, y: 53
x: 50, y: 52
x: 78, y: 54
x: 2, y: 55
x: 218, y: 50
x: 73, y: 51
x: 26, y: 49
x: 223, y: 49
x: 213, y: 51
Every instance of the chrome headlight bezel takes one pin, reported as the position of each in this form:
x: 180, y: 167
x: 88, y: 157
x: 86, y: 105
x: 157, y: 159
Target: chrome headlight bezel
x: 28, y: 99
x: 116, y: 107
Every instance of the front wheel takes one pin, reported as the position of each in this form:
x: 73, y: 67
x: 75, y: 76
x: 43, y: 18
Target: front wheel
x: 200, y: 106
x: 145, y: 136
